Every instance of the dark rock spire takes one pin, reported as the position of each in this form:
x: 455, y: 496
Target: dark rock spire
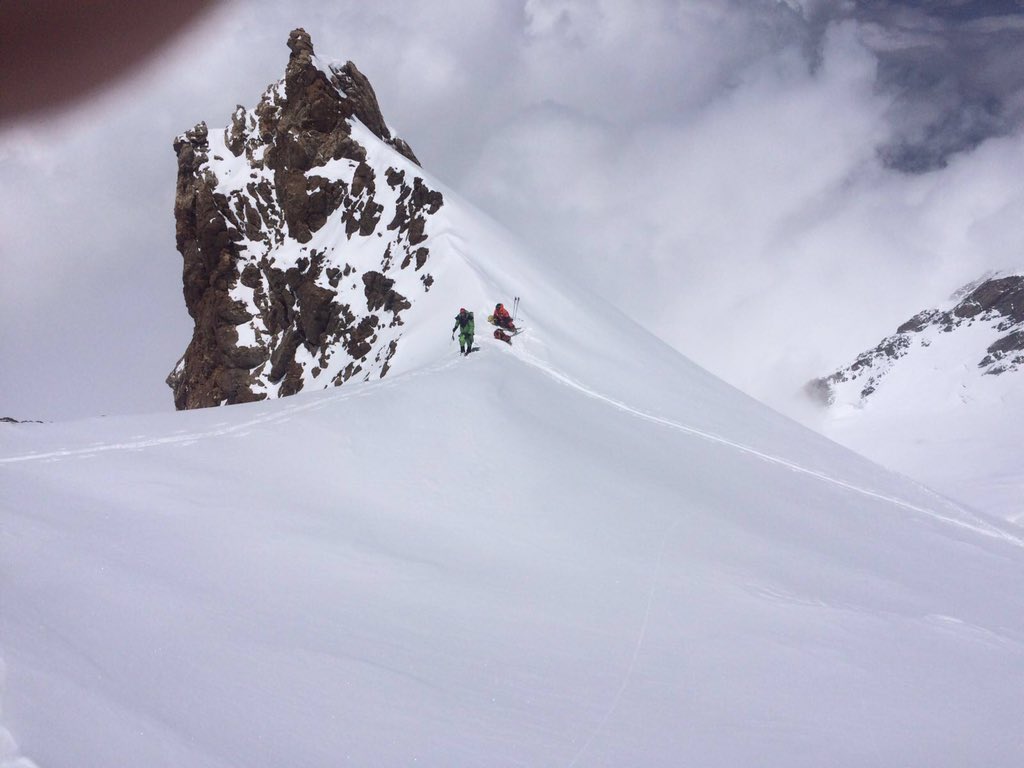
x: 274, y: 310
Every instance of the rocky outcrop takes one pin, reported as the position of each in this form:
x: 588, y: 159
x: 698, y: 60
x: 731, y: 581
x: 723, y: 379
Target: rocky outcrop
x: 305, y: 236
x: 996, y: 303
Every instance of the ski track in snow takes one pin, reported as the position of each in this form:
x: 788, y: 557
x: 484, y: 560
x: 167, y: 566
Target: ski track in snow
x: 183, y: 438
x: 979, y: 526
x: 627, y: 678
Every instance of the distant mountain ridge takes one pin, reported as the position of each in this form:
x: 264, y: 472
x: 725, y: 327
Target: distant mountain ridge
x: 941, y: 399
x: 995, y: 303
x: 304, y: 231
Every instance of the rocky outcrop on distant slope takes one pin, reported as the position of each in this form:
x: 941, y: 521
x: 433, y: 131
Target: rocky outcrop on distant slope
x: 305, y: 236
x: 994, y: 305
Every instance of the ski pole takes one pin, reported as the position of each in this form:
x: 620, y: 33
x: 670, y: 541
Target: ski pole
x: 515, y: 308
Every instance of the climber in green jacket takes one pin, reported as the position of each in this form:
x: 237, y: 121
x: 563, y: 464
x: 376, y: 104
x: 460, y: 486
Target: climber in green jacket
x: 464, y: 323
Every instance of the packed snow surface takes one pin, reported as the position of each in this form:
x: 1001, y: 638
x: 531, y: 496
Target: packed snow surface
x: 582, y: 550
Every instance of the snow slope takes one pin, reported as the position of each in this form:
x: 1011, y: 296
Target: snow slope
x: 959, y: 436
x: 580, y: 551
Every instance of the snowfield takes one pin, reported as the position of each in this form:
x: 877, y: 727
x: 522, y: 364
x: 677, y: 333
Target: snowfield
x: 582, y: 550
x: 482, y: 564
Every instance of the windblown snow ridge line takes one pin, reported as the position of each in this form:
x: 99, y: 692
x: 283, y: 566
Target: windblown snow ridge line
x: 975, y: 525
x: 186, y: 437
x: 978, y: 526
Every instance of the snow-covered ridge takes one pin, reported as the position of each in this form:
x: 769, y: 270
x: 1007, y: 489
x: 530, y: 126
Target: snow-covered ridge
x: 934, y: 399
x: 983, y: 323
